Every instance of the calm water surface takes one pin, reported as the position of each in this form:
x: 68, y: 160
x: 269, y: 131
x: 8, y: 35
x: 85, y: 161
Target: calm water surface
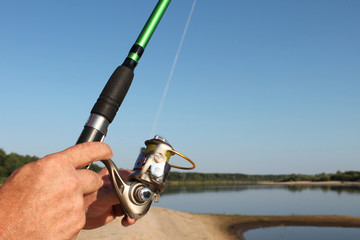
x: 263, y: 200
x: 301, y: 233
x: 272, y: 200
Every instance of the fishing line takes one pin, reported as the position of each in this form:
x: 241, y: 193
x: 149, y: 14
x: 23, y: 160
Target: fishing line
x: 151, y: 168
x: 171, y: 74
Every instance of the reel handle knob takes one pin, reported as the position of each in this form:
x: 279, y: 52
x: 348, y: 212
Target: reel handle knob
x: 143, y: 194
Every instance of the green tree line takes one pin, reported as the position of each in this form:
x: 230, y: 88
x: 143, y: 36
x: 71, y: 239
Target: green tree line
x: 10, y: 162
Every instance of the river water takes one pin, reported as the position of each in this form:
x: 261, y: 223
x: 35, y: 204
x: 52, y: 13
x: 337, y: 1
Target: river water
x: 271, y: 200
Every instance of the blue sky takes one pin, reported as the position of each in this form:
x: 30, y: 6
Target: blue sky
x: 259, y: 87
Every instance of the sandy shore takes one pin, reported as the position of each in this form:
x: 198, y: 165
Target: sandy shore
x: 161, y: 224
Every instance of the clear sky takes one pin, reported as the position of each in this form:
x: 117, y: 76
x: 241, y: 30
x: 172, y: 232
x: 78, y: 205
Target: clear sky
x: 259, y: 87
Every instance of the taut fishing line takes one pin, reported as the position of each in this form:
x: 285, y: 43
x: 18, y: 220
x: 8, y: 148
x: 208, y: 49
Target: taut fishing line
x: 171, y: 74
x: 152, y: 167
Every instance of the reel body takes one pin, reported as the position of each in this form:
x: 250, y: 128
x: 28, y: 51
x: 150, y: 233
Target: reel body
x: 145, y: 184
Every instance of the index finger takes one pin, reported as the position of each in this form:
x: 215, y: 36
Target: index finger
x: 83, y: 154
x: 107, y: 192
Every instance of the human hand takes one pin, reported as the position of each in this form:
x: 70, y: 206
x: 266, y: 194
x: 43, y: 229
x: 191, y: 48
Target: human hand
x: 45, y: 199
x: 103, y: 205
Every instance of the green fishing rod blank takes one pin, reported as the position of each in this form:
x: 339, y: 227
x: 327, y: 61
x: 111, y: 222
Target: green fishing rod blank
x: 147, y: 32
x: 152, y: 23
x: 116, y: 88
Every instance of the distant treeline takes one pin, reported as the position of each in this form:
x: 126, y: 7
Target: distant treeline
x: 10, y: 162
x: 183, y: 177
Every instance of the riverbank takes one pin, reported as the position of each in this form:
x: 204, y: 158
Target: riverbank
x: 239, y: 225
x: 163, y: 224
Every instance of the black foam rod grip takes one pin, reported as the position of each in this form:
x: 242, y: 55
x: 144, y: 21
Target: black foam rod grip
x: 114, y: 93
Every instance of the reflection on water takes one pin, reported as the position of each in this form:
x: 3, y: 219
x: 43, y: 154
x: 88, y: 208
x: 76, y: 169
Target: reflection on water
x: 255, y: 199
x: 271, y: 200
x: 243, y: 187
x: 338, y: 189
x: 300, y: 233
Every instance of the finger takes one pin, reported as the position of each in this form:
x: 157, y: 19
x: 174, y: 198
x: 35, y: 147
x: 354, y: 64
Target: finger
x: 126, y: 172
x: 90, y: 181
x: 99, y: 221
x: 85, y: 153
x: 107, y: 192
x: 118, y: 210
x: 123, y: 172
x: 127, y: 221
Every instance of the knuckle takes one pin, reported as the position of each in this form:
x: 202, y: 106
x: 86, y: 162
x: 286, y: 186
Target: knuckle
x: 74, y: 184
x: 52, y: 161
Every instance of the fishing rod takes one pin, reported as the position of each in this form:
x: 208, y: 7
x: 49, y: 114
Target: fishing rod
x: 152, y: 166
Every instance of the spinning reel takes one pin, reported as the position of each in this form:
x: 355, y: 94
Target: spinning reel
x: 145, y: 184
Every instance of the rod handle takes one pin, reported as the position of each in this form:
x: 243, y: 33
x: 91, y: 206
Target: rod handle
x: 113, y: 93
